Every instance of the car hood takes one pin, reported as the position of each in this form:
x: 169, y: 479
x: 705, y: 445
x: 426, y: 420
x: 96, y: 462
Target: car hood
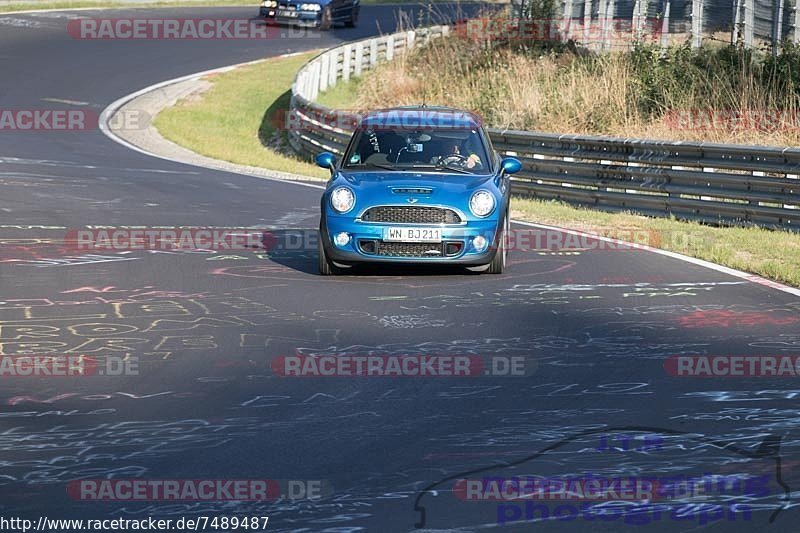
x: 400, y: 185
x: 416, y: 188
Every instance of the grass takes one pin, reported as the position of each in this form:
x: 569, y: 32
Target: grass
x: 772, y: 254
x: 678, y: 94
x: 341, y: 95
x: 229, y: 121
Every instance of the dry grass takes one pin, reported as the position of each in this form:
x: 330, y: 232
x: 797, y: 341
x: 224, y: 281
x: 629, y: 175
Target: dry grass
x: 619, y: 94
x: 772, y: 254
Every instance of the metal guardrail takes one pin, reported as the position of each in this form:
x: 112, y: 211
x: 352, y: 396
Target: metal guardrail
x: 716, y: 183
x: 316, y: 127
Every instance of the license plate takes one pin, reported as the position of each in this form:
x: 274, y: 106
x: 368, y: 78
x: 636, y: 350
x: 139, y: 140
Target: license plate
x: 285, y: 13
x: 412, y: 234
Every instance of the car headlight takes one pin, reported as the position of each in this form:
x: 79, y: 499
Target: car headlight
x: 481, y: 203
x: 342, y: 199
x: 270, y: 3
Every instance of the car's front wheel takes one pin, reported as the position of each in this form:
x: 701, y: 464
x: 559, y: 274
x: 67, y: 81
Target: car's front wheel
x: 352, y: 22
x: 326, y: 22
x: 498, y: 264
x: 326, y: 266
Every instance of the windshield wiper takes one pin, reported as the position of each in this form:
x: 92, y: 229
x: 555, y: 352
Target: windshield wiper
x: 454, y: 169
x: 376, y: 165
x: 441, y: 167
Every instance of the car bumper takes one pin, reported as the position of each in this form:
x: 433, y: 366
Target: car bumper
x: 309, y: 19
x: 357, y: 250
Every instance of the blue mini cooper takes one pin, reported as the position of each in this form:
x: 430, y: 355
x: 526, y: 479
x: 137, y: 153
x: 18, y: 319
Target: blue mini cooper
x: 416, y: 185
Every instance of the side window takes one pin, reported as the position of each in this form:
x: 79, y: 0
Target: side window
x: 363, y: 150
x: 493, y: 156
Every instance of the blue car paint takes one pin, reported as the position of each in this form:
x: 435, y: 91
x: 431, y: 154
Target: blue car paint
x: 449, y: 189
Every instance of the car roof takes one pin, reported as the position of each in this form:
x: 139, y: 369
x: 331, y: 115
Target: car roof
x: 425, y: 116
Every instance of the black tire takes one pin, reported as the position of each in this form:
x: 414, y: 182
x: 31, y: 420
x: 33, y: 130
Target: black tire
x: 326, y: 267
x: 326, y: 23
x: 352, y: 22
x: 498, y: 264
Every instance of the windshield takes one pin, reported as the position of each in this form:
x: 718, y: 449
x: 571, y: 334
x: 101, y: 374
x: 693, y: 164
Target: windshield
x: 454, y: 150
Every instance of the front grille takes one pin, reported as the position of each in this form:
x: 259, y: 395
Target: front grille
x: 410, y: 249
x: 412, y: 190
x: 410, y: 214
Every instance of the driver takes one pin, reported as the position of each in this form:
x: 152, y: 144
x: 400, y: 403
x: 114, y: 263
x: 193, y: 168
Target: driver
x: 456, y: 151
x: 471, y: 160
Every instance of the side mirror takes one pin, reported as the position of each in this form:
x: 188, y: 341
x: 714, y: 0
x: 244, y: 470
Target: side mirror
x: 511, y: 165
x: 326, y: 160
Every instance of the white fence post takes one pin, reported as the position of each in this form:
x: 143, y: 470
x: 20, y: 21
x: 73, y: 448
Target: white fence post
x: 346, y: 62
x: 601, y: 23
x: 587, y: 21
x: 796, y: 32
x: 697, y: 23
x: 325, y: 66
x: 749, y: 20
x: 608, y: 23
x: 389, y: 47
x: 359, y: 58
x: 567, y: 28
x: 314, y: 81
x: 737, y: 21
x: 333, y: 67
x: 644, y: 25
x: 777, y: 25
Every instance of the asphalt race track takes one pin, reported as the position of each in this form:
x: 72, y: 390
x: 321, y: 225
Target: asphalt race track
x: 593, y: 329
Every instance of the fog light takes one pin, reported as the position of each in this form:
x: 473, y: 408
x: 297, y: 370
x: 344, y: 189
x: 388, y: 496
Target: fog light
x: 480, y: 243
x: 341, y: 239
